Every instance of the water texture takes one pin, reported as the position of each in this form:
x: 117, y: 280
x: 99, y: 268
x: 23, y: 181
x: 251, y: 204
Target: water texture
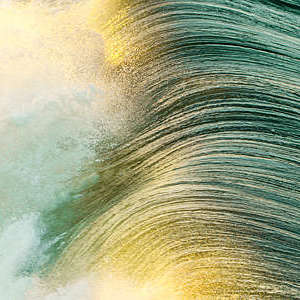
x: 186, y: 183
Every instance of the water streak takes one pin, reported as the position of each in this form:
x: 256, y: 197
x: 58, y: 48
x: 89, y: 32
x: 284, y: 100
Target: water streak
x: 199, y: 199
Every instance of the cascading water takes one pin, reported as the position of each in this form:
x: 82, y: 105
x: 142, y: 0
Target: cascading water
x: 51, y: 115
x: 151, y: 149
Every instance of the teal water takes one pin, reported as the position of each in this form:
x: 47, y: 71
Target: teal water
x: 199, y: 185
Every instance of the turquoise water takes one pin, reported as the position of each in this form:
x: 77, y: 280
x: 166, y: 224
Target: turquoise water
x: 169, y: 158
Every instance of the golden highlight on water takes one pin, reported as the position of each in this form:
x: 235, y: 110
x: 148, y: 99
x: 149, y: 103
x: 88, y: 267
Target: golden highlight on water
x: 176, y: 124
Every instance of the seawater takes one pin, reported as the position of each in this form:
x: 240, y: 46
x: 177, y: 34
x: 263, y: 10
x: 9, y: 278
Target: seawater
x: 50, y: 104
x: 151, y: 146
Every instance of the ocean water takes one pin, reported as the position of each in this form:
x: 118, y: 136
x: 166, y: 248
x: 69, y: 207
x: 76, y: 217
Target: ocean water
x: 149, y: 149
x: 49, y: 124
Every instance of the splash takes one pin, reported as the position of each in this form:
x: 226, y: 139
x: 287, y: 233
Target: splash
x: 52, y: 113
x: 170, y: 165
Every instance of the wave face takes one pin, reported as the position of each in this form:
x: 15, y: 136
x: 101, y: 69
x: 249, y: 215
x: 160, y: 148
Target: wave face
x: 200, y: 198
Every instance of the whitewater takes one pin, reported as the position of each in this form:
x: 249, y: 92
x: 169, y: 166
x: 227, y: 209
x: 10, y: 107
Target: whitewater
x: 149, y: 149
x: 52, y: 113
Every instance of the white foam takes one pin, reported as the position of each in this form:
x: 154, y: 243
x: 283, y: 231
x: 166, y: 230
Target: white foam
x: 50, y: 109
x: 15, y: 244
x: 80, y: 290
x: 50, y: 104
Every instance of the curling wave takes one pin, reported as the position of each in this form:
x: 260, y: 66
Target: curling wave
x: 200, y: 199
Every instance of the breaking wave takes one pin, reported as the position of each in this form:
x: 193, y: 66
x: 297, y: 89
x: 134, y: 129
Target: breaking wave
x: 186, y: 182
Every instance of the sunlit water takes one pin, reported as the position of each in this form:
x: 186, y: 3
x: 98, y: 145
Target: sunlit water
x: 149, y: 150
x: 50, y: 118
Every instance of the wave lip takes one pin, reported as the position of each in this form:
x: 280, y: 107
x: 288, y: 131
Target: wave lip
x: 201, y: 197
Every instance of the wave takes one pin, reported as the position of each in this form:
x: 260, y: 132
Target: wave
x: 199, y: 197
